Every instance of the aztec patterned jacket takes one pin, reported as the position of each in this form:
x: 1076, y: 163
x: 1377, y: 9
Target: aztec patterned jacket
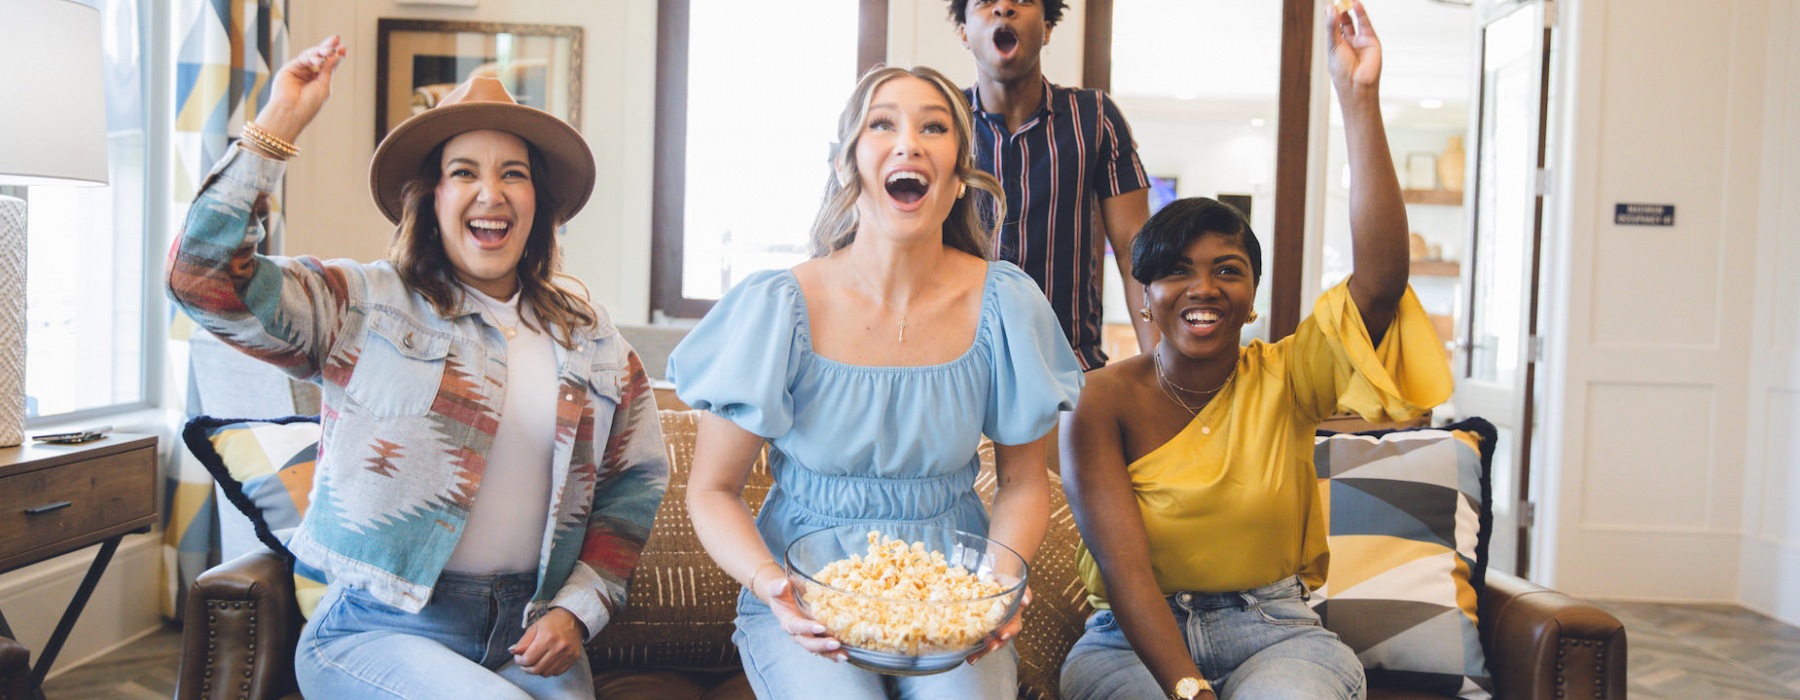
x: 411, y: 404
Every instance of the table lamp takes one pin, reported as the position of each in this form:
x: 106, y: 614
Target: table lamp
x: 52, y: 132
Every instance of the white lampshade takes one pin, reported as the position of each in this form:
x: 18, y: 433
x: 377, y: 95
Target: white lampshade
x: 52, y: 132
x: 53, y: 117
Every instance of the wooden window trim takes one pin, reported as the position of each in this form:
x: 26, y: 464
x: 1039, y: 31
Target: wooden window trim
x: 669, y: 200
x: 1293, y: 126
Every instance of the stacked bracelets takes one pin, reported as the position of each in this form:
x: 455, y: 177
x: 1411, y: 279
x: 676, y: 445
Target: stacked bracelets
x: 269, y: 143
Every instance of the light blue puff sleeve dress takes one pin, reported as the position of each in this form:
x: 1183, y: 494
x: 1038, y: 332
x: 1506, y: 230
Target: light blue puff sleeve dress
x: 854, y: 443
x: 857, y: 443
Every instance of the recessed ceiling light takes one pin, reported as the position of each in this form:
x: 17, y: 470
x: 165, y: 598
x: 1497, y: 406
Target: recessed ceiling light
x: 1431, y: 103
x: 1259, y: 121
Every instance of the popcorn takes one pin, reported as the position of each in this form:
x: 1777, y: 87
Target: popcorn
x: 940, y: 607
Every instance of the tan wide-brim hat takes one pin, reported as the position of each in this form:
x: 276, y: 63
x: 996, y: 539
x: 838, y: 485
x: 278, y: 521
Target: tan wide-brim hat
x: 484, y: 103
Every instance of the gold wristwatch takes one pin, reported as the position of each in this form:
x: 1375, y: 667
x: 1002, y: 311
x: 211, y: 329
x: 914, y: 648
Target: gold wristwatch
x: 1188, y: 688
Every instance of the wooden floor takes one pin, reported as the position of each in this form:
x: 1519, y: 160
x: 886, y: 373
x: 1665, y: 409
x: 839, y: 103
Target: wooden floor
x: 1718, y: 652
x: 143, y: 670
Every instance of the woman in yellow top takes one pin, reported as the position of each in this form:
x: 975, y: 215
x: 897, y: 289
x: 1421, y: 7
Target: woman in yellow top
x: 1190, y: 469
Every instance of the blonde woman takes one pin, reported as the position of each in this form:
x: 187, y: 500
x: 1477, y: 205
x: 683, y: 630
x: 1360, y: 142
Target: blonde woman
x: 872, y: 371
x: 491, y: 460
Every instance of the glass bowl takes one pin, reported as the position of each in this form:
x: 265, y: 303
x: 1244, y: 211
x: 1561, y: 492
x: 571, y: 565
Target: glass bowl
x: 901, y: 625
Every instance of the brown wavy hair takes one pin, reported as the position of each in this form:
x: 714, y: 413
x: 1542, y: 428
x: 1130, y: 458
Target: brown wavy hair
x: 970, y: 225
x: 417, y: 252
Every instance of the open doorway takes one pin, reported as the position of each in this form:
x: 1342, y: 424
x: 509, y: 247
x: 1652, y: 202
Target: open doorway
x: 1201, y: 84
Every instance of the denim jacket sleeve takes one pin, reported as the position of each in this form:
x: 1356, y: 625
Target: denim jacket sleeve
x: 633, y: 474
x: 285, y: 311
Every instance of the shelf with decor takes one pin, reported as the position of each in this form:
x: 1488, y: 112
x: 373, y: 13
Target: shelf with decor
x: 1436, y: 268
x: 1451, y: 198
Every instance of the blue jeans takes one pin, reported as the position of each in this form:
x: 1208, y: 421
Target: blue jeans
x: 778, y: 667
x: 1260, y: 643
x: 357, y: 647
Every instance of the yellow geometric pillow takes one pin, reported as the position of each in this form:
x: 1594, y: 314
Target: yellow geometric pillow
x: 1409, y: 525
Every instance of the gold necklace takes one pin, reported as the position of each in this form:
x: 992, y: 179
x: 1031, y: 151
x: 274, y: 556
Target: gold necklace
x: 1164, y: 383
x: 1165, y: 377
x: 879, y: 296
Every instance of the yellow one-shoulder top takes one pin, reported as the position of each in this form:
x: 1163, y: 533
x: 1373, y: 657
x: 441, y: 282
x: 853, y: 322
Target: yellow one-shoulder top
x: 1229, y: 503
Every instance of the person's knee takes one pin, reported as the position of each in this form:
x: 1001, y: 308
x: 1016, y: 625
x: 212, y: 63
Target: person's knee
x: 1104, y: 674
x: 1295, y: 679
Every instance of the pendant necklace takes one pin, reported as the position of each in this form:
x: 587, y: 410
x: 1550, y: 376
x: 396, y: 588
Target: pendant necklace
x: 879, y: 297
x: 497, y: 308
x: 1165, y: 384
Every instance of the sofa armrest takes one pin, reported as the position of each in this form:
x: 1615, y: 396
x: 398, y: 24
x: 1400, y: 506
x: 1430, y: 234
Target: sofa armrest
x: 238, y: 631
x: 15, y: 668
x: 1543, y: 644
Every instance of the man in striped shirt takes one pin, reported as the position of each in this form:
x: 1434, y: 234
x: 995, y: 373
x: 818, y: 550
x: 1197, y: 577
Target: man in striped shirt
x: 1068, y: 164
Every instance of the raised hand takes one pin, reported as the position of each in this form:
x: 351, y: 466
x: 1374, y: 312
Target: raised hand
x: 300, y: 89
x: 1355, y: 59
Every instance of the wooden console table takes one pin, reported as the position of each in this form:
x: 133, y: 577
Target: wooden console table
x: 55, y: 499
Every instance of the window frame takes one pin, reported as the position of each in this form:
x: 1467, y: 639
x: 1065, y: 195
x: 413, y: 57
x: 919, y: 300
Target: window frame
x: 669, y: 199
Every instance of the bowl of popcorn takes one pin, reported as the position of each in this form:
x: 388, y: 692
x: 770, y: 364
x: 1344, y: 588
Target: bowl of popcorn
x: 906, y: 599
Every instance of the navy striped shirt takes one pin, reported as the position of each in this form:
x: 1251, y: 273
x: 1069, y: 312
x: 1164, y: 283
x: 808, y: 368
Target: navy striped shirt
x: 1076, y: 151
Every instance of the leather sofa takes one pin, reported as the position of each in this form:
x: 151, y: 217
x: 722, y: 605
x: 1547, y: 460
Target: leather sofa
x: 15, y: 670
x: 673, y: 639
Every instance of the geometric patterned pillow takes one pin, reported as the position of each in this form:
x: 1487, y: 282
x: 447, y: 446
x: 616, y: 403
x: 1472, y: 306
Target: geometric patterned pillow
x: 1409, y: 521
x: 265, y: 468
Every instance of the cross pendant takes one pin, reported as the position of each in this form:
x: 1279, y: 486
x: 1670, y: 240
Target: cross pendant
x: 902, y: 330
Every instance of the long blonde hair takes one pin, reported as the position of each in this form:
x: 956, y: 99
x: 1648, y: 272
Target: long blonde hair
x: 417, y: 251
x: 970, y: 225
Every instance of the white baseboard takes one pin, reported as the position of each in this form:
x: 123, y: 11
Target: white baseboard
x: 123, y: 608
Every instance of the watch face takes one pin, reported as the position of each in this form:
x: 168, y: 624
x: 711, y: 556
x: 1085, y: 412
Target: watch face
x: 1187, y: 687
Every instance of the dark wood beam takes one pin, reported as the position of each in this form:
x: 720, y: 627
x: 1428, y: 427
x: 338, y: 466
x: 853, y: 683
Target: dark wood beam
x: 1096, y: 47
x: 1293, y: 131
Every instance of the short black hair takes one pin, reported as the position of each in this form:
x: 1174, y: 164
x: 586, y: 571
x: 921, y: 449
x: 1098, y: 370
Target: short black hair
x: 1053, y: 9
x: 1166, y: 236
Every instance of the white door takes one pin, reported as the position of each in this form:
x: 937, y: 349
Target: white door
x: 1497, y: 346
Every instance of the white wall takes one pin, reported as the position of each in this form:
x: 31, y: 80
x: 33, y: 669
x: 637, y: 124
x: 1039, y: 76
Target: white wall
x: 1650, y: 328
x: 1770, y: 560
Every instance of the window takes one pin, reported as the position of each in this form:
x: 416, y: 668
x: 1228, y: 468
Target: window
x: 744, y: 131
x: 85, y: 288
x: 1283, y: 239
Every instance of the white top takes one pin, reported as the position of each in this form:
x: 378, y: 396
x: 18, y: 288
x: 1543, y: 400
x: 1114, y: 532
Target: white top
x: 506, y: 526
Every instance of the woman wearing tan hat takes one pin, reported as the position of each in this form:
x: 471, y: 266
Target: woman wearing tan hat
x: 491, y: 460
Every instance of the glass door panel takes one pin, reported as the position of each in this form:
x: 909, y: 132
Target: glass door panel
x: 1494, y: 366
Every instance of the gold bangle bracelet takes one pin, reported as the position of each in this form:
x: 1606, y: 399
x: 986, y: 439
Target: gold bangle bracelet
x: 264, y: 134
x: 267, y: 145
x: 269, y: 142
x: 264, y: 147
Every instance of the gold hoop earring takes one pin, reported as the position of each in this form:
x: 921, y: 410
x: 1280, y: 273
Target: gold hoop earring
x: 1145, y: 313
x: 1252, y: 318
x: 961, y: 190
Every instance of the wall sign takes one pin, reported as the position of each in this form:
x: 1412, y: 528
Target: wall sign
x: 1644, y: 214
